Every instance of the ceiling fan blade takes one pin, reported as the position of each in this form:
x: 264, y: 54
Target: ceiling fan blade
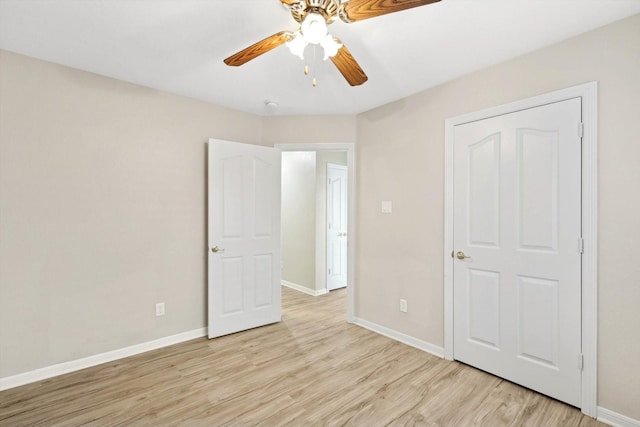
x: 357, y: 10
x: 259, y: 48
x: 348, y: 66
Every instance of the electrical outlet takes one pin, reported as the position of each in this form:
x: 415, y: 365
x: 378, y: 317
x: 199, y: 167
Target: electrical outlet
x: 403, y: 305
x: 160, y: 309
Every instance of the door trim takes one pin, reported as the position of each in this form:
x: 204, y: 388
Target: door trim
x: 349, y: 147
x: 589, y: 94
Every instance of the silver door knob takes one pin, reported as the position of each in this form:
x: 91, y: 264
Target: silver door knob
x: 216, y: 249
x: 461, y: 255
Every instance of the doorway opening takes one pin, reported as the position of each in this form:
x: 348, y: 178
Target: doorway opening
x: 318, y: 197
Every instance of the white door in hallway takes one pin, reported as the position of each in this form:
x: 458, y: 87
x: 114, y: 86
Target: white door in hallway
x: 517, y: 247
x: 243, y: 237
x: 336, y: 226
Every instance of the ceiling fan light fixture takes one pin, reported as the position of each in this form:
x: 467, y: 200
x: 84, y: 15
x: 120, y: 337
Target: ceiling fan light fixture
x: 314, y: 28
x: 297, y: 44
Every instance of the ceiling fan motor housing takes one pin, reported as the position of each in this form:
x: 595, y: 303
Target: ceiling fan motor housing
x: 327, y: 8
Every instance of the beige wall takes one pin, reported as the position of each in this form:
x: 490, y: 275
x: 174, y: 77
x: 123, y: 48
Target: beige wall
x: 298, y: 232
x: 102, y: 211
x: 400, y: 149
x: 308, y: 129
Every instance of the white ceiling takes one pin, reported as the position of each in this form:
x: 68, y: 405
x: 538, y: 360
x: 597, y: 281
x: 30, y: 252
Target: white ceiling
x: 178, y: 45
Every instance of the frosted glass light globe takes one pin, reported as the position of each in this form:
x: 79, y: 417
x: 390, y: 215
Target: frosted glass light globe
x: 314, y: 28
x: 297, y: 45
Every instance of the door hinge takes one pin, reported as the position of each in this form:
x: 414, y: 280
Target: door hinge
x: 329, y: 272
x: 581, y: 362
x: 580, y: 130
x: 580, y: 245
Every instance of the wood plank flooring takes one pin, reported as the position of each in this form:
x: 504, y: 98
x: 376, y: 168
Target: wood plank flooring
x: 311, y: 369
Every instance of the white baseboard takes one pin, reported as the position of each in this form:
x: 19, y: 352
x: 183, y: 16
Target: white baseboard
x: 614, y: 419
x: 304, y: 289
x: 399, y: 336
x: 98, y: 359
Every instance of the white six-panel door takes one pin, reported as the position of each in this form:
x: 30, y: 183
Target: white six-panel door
x: 243, y: 237
x: 336, y: 226
x: 517, y: 230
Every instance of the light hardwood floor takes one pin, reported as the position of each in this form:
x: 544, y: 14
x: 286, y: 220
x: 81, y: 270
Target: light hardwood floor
x: 311, y: 369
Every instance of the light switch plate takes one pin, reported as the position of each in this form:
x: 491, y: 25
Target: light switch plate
x: 386, y: 206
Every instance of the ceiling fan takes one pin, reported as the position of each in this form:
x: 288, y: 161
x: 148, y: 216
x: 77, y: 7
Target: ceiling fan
x: 313, y: 17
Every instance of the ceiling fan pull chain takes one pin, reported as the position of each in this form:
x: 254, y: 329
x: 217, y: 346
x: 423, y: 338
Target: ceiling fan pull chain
x: 314, y: 82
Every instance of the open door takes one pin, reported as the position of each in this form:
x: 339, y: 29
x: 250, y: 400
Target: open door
x: 243, y: 237
x: 336, y: 226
